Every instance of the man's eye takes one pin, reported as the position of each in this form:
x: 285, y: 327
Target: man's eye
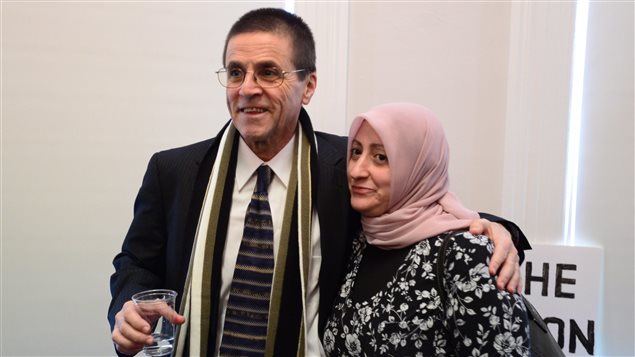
x: 269, y: 74
x: 235, y: 73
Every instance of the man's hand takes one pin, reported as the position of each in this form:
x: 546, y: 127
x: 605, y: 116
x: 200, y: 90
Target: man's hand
x: 132, y: 331
x: 505, y: 256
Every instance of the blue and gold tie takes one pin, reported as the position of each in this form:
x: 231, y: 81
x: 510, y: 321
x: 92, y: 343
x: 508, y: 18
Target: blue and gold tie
x: 245, y: 328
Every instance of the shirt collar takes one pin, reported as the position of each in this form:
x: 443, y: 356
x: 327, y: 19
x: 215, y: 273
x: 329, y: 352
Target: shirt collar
x: 248, y: 163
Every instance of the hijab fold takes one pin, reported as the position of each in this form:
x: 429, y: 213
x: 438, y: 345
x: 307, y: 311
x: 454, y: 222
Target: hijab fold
x: 420, y: 204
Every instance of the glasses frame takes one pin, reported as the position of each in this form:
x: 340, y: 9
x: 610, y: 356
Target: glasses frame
x: 283, y: 76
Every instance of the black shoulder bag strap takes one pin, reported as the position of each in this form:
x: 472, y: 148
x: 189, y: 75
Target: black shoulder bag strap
x: 441, y: 266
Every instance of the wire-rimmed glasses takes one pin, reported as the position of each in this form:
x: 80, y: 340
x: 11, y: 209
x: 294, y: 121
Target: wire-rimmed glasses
x: 268, y: 77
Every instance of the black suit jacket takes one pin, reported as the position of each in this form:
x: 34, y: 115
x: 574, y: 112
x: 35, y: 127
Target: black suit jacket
x: 157, y: 248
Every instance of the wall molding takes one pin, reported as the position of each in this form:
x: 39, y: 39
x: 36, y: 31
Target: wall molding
x: 329, y: 22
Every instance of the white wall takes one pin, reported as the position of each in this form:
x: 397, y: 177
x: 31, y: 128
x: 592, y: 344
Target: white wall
x: 90, y: 91
x: 451, y: 57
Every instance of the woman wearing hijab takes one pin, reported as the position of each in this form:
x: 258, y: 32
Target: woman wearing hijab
x: 389, y: 303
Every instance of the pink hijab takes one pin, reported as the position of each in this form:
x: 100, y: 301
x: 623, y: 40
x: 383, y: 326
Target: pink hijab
x: 418, y: 155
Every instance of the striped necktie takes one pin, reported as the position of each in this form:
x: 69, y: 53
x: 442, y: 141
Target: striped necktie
x: 245, y: 328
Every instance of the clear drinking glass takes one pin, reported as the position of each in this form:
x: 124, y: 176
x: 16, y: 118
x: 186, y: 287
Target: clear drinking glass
x: 153, y: 305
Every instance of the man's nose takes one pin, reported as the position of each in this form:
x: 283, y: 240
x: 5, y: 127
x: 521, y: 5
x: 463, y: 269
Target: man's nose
x: 250, y: 85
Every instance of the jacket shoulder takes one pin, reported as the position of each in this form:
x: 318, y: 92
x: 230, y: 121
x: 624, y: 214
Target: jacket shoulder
x: 185, y: 155
x: 199, y: 148
x: 331, y: 138
x: 331, y: 148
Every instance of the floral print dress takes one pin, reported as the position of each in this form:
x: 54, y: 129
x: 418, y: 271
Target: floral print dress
x: 405, y: 317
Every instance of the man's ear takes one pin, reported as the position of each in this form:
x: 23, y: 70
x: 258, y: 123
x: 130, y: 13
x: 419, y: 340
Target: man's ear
x: 310, y: 88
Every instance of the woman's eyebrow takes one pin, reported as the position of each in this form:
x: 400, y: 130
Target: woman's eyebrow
x: 377, y: 146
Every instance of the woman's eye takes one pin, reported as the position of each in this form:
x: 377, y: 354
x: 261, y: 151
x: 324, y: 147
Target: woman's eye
x: 381, y: 157
x: 355, y: 152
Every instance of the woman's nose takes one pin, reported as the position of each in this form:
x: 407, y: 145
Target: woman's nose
x: 357, y: 168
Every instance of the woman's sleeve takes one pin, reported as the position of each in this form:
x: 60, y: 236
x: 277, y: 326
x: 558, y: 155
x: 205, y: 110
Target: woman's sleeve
x: 481, y: 319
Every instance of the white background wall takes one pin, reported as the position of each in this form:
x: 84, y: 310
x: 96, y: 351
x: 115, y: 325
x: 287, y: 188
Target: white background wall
x: 91, y: 90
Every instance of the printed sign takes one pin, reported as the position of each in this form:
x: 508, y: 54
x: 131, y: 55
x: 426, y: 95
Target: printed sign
x: 564, y: 284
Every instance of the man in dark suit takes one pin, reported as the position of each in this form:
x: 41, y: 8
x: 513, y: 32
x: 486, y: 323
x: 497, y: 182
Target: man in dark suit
x: 190, y: 209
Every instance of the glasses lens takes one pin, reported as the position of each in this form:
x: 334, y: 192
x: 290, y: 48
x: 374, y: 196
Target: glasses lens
x: 222, y: 77
x: 230, y: 77
x: 269, y: 77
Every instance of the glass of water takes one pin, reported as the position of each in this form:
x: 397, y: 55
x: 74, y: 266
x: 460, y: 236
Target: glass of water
x: 153, y: 305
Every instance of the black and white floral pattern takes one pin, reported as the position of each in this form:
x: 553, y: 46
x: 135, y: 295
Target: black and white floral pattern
x: 406, y: 317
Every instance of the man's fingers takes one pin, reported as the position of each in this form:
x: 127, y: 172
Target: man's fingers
x: 135, y: 335
x: 519, y: 289
x: 124, y: 345
x: 480, y: 226
x: 507, y: 272
x: 176, y: 319
x: 503, y: 248
x: 133, y: 318
x: 500, y: 254
x: 514, y: 283
x: 131, y: 331
x: 497, y: 259
x: 170, y: 314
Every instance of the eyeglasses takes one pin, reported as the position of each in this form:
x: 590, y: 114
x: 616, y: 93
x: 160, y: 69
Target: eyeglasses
x: 268, y: 77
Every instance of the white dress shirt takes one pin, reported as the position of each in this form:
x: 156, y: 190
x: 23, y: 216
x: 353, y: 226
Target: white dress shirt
x: 244, y: 185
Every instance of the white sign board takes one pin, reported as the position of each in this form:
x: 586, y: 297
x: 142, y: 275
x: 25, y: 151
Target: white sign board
x: 564, y: 283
